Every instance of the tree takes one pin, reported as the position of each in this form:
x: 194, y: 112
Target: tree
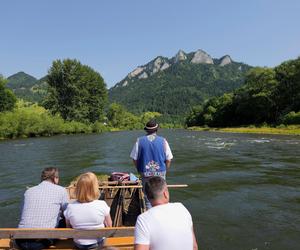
x: 145, y: 117
x: 195, y: 117
x: 255, y: 102
x: 119, y: 117
x: 115, y: 114
x: 7, y: 98
x: 288, y: 92
x: 225, y: 115
x: 75, y: 91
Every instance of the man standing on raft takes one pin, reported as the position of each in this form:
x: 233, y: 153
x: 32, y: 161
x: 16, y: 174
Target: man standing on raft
x: 151, y: 154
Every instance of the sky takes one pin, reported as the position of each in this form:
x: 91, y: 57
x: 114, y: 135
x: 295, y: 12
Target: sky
x: 114, y: 37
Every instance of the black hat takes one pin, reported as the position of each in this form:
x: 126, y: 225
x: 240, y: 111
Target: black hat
x: 151, y: 125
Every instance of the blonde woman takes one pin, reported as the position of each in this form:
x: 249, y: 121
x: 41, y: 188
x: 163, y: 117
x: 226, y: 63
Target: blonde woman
x: 87, y: 212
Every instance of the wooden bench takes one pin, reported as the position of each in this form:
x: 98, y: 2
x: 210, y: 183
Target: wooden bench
x: 118, y: 237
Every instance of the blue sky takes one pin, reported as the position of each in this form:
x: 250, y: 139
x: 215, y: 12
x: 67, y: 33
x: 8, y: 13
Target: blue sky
x: 114, y: 37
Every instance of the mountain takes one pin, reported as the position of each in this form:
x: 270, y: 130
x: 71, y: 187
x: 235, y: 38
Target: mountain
x: 27, y: 87
x: 21, y: 80
x: 173, y: 85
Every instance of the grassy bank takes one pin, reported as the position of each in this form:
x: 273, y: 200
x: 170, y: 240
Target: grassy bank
x: 284, y: 130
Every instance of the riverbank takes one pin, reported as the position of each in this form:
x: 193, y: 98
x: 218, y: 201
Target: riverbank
x: 283, y: 130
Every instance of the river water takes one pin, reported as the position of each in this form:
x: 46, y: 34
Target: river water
x: 244, y: 189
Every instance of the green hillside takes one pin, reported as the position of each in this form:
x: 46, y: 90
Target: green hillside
x: 27, y: 87
x: 20, y: 80
x: 269, y: 96
x: 180, y: 84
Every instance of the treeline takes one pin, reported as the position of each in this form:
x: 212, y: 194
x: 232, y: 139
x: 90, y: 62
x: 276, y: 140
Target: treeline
x: 31, y: 120
x: 76, y: 103
x: 269, y: 96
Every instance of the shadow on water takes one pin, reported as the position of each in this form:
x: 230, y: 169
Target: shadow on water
x: 243, y: 189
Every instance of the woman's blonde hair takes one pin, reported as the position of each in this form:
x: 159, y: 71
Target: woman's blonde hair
x: 87, y: 188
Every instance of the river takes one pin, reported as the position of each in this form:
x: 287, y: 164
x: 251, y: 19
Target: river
x: 243, y: 193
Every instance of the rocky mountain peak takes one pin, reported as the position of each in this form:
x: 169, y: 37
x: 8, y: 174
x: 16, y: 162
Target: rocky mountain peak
x: 224, y: 60
x: 161, y: 63
x: 158, y: 64
x: 135, y: 72
x: 202, y: 57
x: 180, y: 56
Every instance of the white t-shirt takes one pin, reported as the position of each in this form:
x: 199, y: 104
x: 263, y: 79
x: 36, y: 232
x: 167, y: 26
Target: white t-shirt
x: 135, y: 149
x: 88, y: 215
x: 167, y: 226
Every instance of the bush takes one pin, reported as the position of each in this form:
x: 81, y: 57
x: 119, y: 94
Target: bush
x: 7, y: 97
x: 33, y: 120
x: 291, y: 118
x: 281, y: 126
x: 99, y: 127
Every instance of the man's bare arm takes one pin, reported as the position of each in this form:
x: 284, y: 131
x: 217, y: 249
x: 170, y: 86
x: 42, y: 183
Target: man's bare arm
x: 195, y: 244
x: 168, y: 163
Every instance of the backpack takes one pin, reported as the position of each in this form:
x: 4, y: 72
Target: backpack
x: 119, y: 176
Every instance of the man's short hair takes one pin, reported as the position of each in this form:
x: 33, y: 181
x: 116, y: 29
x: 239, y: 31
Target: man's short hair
x: 154, y: 187
x: 49, y: 174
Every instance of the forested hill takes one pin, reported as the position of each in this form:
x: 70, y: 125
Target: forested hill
x: 173, y: 85
x: 20, y: 80
x: 27, y: 87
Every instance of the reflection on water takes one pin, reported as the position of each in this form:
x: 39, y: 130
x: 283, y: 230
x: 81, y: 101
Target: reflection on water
x: 243, y: 189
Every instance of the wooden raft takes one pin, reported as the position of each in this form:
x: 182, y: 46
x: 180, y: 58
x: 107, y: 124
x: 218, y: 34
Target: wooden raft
x: 126, y: 201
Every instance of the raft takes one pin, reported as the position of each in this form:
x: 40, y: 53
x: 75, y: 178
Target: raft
x: 126, y: 201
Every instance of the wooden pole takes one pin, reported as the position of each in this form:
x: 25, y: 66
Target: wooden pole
x: 140, y: 186
x: 142, y: 201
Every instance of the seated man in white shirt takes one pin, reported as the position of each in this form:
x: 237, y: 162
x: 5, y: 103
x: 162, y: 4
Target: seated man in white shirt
x: 165, y: 225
